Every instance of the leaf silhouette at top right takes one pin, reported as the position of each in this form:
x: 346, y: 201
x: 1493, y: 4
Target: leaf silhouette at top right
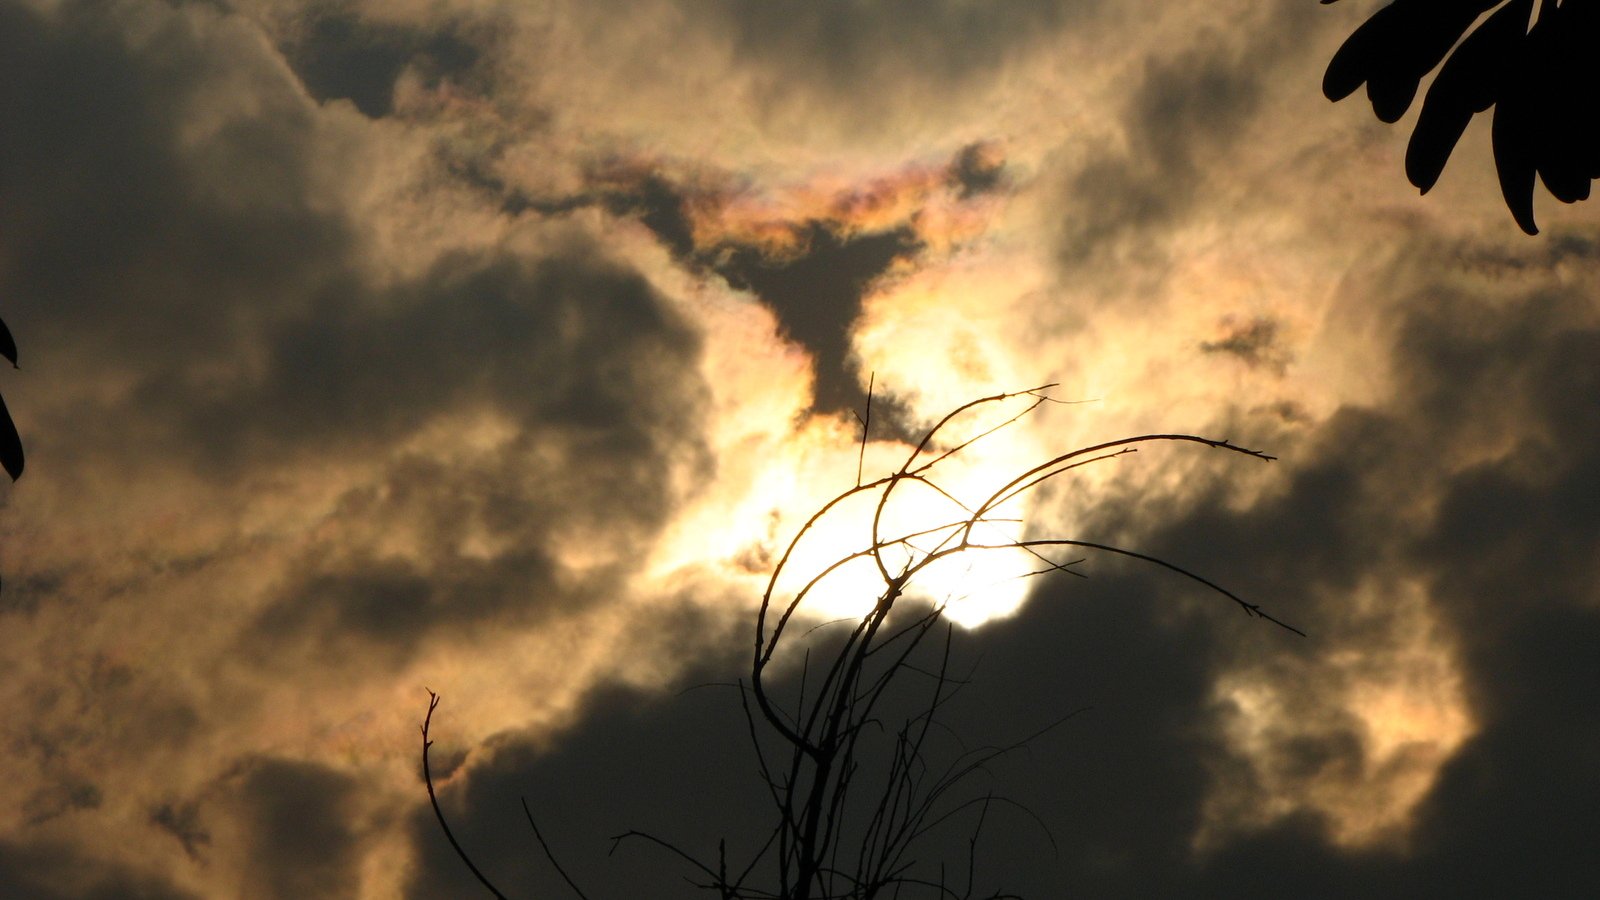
x: 1540, y: 72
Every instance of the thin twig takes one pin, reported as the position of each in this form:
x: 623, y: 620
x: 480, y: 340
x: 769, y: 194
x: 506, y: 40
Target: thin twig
x: 548, y: 854
x: 866, y: 426
x: 427, y: 776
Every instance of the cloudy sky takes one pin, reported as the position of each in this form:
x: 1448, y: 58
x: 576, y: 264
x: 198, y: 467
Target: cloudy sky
x: 498, y: 346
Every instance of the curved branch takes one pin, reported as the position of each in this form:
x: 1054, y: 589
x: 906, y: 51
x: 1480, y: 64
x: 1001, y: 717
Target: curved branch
x: 427, y: 777
x: 1251, y: 609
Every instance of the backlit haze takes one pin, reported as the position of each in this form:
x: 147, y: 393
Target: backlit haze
x: 498, y: 347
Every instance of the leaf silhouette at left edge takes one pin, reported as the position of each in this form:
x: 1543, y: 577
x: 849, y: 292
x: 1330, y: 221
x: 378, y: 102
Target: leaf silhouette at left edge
x: 10, y: 443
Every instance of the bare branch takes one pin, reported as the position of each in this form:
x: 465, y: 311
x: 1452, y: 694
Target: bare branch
x: 550, y: 855
x: 861, y: 780
x: 427, y: 777
x: 1249, y: 608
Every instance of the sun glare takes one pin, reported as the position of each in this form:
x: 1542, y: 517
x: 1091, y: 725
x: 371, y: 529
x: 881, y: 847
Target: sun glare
x: 741, y: 529
x: 973, y: 586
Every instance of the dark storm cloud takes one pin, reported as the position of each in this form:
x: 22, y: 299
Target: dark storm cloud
x: 339, y: 56
x: 682, y: 768
x: 146, y: 272
x: 1186, y: 112
x: 816, y: 291
x: 1504, y: 545
x: 817, y: 296
x: 575, y: 345
x: 1181, y: 122
x: 587, y: 362
x: 677, y: 765
x: 660, y: 207
x: 110, y: 229
x: 847, y: 45
x: 297, y: 818
x: 368, y: 611
x: 60, y: 873
x: 178, y: 257
x: 176, y: 248
x: 148, y: 277
x: 1255, y: 343
x: 1512, y: 552
x: 977, y: 170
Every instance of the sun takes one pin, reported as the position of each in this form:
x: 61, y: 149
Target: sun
x: 914, y: 524
x: 745, y: 530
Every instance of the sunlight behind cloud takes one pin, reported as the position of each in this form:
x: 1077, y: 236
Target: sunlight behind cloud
x: 743, y: 535
x: 501, y: 349
x: 1397, y: 699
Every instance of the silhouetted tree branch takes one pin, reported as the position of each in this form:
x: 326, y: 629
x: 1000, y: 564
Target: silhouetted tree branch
x: 427, y: 778
x: 1542, y: 79
x: 852, y: 783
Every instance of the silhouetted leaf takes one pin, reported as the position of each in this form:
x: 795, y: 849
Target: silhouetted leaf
x: 10, y: 443
x: 1513, y: 161
x: 1515, y: 134
x: 1569, y: 149
x: 8, y: 347
x: 1468, y: 84
x: 1394, y: 49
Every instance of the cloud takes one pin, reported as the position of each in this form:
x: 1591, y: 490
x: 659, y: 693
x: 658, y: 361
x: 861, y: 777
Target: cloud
x: 1254, y: 344
x: 641, y: 760
x: 339, y: 56
x: 818, y: 298
x: 58, y: 873
x: 1482, y: 397
x: 299, y: 840
x: 1181, y: 125
x: 1387, y: 754
x: 567, y: 344
x: 942, y: 43
x: 979, y: 168
x: 294, y: 460
x: 493, y: 347
x: 812, y: 253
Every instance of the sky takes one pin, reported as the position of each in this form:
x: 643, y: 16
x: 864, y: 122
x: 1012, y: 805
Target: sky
x: 498, y: 347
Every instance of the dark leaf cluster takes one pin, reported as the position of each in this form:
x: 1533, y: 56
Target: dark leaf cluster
x: 1538, y: 69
